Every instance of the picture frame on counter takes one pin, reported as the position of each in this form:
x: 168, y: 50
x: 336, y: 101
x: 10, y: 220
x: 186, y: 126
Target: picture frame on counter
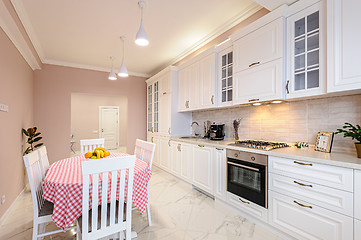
x: 324, y: 141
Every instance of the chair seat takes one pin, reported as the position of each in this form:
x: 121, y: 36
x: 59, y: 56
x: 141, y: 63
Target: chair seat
x: 99, y: 217
x: 46, y: 209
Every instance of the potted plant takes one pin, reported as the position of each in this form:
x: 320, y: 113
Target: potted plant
x: 33, y: 138
x: 354, y: 132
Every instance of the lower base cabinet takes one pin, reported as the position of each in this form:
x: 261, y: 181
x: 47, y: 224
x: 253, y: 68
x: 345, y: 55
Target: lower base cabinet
x: 220, y: 171
x: 156, y: 158
x: 357, y: 229
x: 203, y: 168
x: 175, y: 158
x: 306, y: 221
x: 164, y: 153
x: 186, y: 162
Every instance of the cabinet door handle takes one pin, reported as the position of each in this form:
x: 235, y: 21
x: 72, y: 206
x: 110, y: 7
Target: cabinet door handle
x: 253, y: 100
x: 179, y: 148
x: 219, y: 149
x: 240, y: 199
x: 152, y: 139
x: 252, y: 64
x: 212, y: 99
x: 169, y: 143
x: 169, y: 131
x: 200, y: 145
x: 152, y: 130
x: 164, y: 93
x: 301, y: 163
x: 185, y: 104
x: 302, y: 184
x: 287, y: 85
x: 302, y: 205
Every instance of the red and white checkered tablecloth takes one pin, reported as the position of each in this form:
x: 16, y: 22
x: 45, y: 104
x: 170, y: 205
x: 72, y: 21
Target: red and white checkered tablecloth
x: 63, y: 186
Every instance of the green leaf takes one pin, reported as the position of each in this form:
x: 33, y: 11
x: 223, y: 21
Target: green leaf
x: 37, y: 139
x: 25, y: 132
x: 38, y: 145
x: 37, y: 134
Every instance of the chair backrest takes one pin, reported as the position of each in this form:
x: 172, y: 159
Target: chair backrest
x: 88, y: 145
x: 44, y: 161
x: 32, y: 164
x: 104, y: 175
x: 145, y: 151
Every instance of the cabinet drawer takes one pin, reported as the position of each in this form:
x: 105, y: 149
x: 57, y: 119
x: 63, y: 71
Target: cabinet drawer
x: 259, y: 47
x: 335, y: 177
x: 307, y: 221
x: 248, y: 207
x: 326, y: 197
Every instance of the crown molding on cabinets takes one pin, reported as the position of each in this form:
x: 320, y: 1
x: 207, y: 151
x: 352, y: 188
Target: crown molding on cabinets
x: 11, y: 29
x: 164, y: 71
x: 273, y: 4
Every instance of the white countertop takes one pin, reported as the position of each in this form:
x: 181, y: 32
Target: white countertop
x: 335, y: 158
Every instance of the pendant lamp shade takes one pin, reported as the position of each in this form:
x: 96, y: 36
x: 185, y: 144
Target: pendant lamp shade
x: 123, y: 72
x: 141, y: 37
x: 112, y: 75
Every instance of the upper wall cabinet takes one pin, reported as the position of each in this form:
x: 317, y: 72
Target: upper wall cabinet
x: 259, y: 60
x: 197, y: 82
x: 343, y: 45
x: 225, y: 74
x: 306, y: 58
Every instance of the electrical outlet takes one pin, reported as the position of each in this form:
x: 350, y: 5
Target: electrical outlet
x: 3, y: 199
x: 4, y: 107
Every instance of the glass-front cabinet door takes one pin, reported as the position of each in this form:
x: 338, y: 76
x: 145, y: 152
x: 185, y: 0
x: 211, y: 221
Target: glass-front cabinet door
x: 153, y: 107
x: 306, y: 53
x: 150, y: 108
x: 225, y: 77
x: 156, y: 108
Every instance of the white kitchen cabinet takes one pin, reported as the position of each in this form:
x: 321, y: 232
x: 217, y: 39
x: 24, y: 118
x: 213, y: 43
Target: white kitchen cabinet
x: 183, y: 89
x: 261, y: 83
x: 195, y: 89
x: 343, y: 45
x: 357, y: 229
x: 155, y: 139
x: 164, y: 153
x: 203, y: 168
x: 207, y: 79
x: 260, y: 46
x: 175, y: 158
x: 186, y: 161
x: 357, y: 194
x: 165, y: 101
x: 306, y: 42
x: 220, y: 173
x: 152, y: 106
x: 225, y: 74
x: 306, y: 221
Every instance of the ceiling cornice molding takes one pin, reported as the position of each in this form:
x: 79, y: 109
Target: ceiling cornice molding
x: 10, y: 28
x: 247, y: 12
x: 88, y: 67
x: 24, y: 18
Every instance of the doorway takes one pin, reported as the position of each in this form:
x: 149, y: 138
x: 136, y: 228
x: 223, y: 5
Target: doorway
x: 109, y: 126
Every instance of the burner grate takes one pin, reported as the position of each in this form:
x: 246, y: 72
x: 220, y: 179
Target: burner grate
x: 258, y: 144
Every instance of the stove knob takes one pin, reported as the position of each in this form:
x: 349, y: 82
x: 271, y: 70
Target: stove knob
x: 263, y: 147
x: 236, y: 154
x: 253, y: 158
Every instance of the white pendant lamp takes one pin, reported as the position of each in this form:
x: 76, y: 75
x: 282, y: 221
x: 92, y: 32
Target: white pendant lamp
x: 123, y: 72
x: 141, y: 38
x: 112, y: 75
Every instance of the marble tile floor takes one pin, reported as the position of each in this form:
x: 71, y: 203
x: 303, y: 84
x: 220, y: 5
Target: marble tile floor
x: 178, y: 213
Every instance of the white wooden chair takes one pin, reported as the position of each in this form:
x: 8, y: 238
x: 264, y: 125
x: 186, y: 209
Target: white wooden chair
x: 44, y: 161
x: 145, y: 151
x: 42, y: 209
x: 107, y: 220
x: 88, y: 145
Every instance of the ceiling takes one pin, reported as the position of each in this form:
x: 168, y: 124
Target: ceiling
x: 85, y: 33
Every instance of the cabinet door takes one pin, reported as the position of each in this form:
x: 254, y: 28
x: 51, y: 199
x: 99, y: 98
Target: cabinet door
x: 207, y: 80
x: 183, y: 89
x: 164, y: 153
x: 186, y: 161
x: 306, y: 57
x: 357, y: 229
x: 156, y: 107
x: 259, y: 47
x: 343, y: 45
x: 150, y: 108
x: 175, y: 158
x: 220, y: 178
x: 203, y: 168
x: 306, y: 221
x: 194, y: 85
x: 262, y: 83
x: 164, y: 106
x: 357, y: 195
x: 225, y: 77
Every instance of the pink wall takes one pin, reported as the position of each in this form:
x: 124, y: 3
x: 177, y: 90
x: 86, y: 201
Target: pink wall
x: 16, y: 81
x: 85, y: 116
x: 53, y: 86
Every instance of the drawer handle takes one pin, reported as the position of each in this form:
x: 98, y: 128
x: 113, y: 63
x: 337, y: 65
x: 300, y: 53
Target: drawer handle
x: 253, y: 100
x: 301, y: 163
x: 220, y: 149
x: 200, y: 145
x: 212, y: 99
x: 288, y: 91
x: 255, y: 63
x: 302, y: 184
x: 302, y: 204
x: 240, y: 199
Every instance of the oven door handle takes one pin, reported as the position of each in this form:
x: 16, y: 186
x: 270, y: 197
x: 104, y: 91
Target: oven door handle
x: 243, y: 166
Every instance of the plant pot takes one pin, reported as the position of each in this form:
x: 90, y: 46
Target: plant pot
x: 358, y: 149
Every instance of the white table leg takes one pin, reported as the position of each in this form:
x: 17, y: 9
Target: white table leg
x: 134, y: 234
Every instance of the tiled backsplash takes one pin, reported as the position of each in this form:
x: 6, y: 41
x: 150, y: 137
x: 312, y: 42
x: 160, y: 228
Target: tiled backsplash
x: 290, y: 121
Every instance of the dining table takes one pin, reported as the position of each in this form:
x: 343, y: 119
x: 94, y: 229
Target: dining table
x: 63, y: 185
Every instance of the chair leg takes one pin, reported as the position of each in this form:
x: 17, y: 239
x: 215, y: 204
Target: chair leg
x: 42, y: 228
x: 35, y: 230
x: 128, y: 233
x: 148, y: 214
x: 77, y: 232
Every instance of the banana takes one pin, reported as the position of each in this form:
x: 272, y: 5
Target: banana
x: 100, y: 148
x: 98, y: 153
x: 101, y: 153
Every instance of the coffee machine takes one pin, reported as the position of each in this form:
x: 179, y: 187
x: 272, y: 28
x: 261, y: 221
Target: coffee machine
x: 217, y: 132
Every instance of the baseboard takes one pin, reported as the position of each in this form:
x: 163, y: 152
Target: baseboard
x: 3, y: 217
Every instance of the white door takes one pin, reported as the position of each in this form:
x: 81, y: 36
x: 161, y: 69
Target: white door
x: 109, y: 126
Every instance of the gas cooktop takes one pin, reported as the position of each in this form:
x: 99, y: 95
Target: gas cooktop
x: 263, y: 145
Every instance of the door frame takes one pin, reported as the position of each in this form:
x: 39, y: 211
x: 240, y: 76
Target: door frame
x: 101, y: 121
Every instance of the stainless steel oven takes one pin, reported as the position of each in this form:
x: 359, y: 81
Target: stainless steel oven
x: 247, y: 176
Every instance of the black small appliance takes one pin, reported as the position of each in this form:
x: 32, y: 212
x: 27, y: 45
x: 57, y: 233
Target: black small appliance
x: 217, y: 132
